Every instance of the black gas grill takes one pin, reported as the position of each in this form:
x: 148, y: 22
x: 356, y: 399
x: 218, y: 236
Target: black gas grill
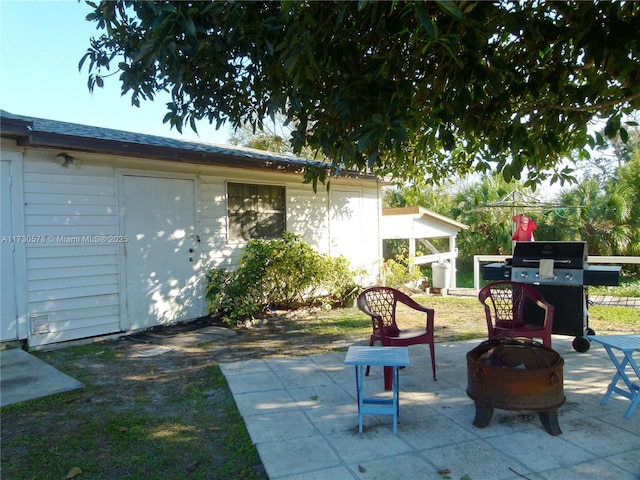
x: 559, y: 271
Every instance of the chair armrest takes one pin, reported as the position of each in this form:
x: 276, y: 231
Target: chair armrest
x: 488, y: 319
x: 430, y: 318
x: 363, y: 307
x: 411, y: 303
x: 375, y: 318
x: 537, y: 298
x: 549, y: 311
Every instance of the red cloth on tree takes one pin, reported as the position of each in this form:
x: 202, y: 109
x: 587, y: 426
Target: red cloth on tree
x: 524, y: 228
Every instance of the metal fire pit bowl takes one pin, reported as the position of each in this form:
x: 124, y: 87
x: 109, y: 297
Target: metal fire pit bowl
x: 519, y: 376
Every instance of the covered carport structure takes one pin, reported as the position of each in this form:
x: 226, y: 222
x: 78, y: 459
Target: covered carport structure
x: 419, y: 224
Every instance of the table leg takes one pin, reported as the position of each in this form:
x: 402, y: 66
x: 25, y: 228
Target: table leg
x: 359, y: 394
x: 633, y: 387
x: 396, y: 397
x: 635, y: 401
x: 388, y: 378
x: 633, y: 391
x: 620, y: 373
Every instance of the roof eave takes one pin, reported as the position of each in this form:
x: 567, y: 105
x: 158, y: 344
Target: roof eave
x: 418, y: 212
x: 26, y: 135
x: 152, y: 152
x: 15, y: 128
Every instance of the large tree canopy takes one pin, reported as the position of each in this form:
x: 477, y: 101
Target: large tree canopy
x: 414, y: 89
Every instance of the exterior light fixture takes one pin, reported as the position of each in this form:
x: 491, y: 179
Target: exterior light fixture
x: 66, y: 160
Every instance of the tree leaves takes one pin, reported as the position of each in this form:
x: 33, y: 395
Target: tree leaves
x: 415, y: 89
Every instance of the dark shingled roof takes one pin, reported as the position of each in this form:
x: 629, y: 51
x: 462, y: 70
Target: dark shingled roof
x: 39, y: 132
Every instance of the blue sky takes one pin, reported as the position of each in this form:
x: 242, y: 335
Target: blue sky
x: 41, y: 44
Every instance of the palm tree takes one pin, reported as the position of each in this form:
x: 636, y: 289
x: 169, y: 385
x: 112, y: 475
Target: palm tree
x: 603, y: 220
x: 478, y: 205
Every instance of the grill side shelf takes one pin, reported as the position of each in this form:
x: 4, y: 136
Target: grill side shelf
x: 602, y: 275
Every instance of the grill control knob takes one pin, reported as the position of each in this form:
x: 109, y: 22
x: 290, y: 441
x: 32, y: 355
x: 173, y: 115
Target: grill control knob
x: 568, y: 276
x: 524, y: 274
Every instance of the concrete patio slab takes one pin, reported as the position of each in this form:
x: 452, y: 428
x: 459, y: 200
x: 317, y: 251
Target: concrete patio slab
x: 301, y: 413
x: 24, y: 377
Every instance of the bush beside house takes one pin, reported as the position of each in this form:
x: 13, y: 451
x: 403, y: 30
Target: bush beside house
x: 284, y: 273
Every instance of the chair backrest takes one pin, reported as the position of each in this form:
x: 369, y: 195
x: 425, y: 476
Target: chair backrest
x: 380, y: 303
x: 505, y: 301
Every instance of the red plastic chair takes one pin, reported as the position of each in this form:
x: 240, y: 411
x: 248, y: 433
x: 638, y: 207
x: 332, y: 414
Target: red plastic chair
x: 380, y: 304
x: 504, y: 307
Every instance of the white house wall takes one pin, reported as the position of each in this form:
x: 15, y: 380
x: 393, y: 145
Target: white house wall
x: 73, y: 280
x: 72, y: 276
x: 354, y: 226
x: 308, y: 215
x: 371, y: 208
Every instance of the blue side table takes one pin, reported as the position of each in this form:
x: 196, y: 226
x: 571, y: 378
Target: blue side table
x: 394, y: 357
x: 627, y: 344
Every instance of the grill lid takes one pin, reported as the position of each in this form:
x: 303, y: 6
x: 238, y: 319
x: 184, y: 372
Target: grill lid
x: 570, y: 255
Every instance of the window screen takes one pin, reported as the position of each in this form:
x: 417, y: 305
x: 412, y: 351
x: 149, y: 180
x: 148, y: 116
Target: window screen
x: 255, y: 211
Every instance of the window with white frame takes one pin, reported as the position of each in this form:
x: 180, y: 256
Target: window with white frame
x: 255, y: 211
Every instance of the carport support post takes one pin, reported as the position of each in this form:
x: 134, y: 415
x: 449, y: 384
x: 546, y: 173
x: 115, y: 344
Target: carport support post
x: 452, y: 249
x: 412, y: 253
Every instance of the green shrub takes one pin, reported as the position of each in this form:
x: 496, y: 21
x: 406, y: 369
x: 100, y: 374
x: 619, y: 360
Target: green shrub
x: 217, y: 280
x: 398, y: 273
x: 284, y: 273
x: 340, y: 283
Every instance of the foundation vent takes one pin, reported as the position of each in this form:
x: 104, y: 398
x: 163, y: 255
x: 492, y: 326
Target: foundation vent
x: 39, y: 323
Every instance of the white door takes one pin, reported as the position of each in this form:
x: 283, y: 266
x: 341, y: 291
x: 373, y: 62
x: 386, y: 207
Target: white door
x: 161, y: 258
x: 8, y: 311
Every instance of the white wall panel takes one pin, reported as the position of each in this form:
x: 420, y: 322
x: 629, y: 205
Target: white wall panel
x: 72, y: 279
x: 72, y: 271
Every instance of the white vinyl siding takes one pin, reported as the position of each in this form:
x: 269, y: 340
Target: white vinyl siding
x: 214, y: 248
x: 308, y: 215
x: 72, y: 272
x: 71, y: 286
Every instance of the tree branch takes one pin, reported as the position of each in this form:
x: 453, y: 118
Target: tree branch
x: 596, y: 106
